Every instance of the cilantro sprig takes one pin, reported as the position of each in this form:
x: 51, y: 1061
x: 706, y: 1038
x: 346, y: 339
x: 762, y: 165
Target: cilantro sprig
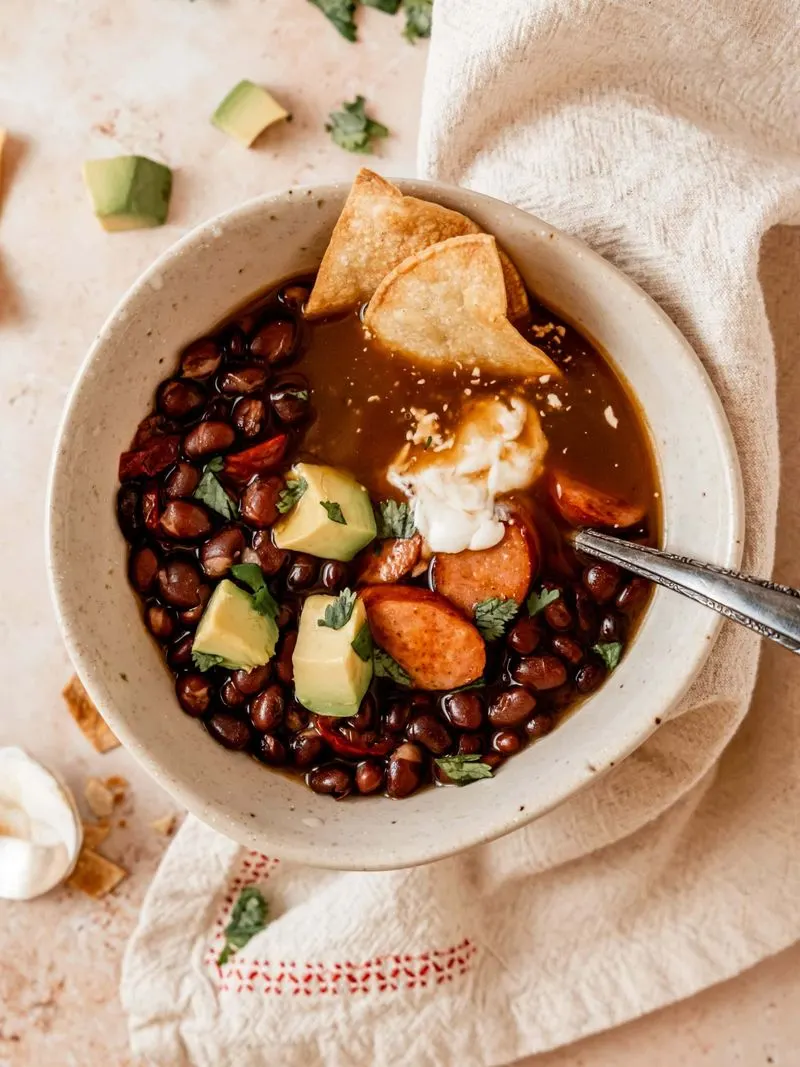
x: 461, y: 770
x: 211, y: 492
x: 288, y: 497
x: 419, y: 15
x: 334, y: 511
x: 386, y: 667
x: 610, y: 652
x: 337, y: 614
x: 341, y: 14
x: 251, y: 575
x: 204, y: 661
x: 394, y: 519
x: 538, y: 601
x: 493, y: 615
x: 362, y: 645
x: 248, y: 918
x: 353, y: 129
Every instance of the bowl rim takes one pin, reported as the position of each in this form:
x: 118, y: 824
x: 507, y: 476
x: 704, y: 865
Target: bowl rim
x: 574, y: 777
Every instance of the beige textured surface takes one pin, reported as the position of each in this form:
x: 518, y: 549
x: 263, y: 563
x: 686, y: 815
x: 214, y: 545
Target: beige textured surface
x: 70, y: 89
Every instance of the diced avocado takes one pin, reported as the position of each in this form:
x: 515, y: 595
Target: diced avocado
x: 330, y: 678
x: 233, y: 630
x: 128, y: 192
x: 246, y: 112
x: 311, y: 526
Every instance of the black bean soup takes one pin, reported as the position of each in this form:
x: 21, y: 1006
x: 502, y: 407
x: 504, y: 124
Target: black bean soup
x: 200, y: 492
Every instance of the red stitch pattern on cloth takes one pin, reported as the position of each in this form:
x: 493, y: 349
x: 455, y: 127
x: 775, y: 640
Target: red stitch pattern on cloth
x: 388, y: 973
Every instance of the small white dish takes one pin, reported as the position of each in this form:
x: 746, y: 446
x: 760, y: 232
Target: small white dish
x: 215, y: 269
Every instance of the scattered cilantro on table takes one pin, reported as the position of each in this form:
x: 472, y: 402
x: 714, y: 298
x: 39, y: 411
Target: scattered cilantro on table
x: 419, y: 14
x: 248, y: 918
x: 352, y: 129
x: 341, y: 14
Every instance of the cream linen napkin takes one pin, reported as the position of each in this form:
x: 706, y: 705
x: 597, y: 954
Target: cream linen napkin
x: 666, y: 135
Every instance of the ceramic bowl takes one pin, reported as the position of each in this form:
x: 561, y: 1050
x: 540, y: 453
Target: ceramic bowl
x: 213, y: 270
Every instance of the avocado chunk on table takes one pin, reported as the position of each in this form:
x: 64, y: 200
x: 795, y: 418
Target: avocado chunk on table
x: 332, y: 519
x: 247, y: 111
x: 128, y: 192
x: 233, y: 632
x: 330, y: 675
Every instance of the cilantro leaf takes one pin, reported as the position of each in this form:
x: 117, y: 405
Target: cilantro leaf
x: 352, y: 129
x: 538, y: 601
x: 461, y: 770
x: 288, y: 497
x: 390, y: 7
x: 493, y: 615
x: 211, y: 492
x: 251, y: 575
x: 338, y: 613
x: 386, y: 667
x: 339, y: 13
x: 334, y: 511
x: 610, y: 652
x: 419, y: 14
x: 362, y: 646
x: 204, y: 661
x: 248, y: 918
x: 395, y: 520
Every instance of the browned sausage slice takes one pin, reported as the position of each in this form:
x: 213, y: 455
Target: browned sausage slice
x: 505, y: 571
x: 397, y: 557
x: 581, y: 505
x: 426, y: 635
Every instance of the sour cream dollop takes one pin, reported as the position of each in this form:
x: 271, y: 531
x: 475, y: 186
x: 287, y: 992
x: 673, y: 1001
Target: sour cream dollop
x: 40, y: 829
x: 499, y: 447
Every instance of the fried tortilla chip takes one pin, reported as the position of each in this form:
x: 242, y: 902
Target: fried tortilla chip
x: 95, y: 875
x: 379, y: 228
x: 95, y: 833
x: 448, y: 303
x: 87, y: 716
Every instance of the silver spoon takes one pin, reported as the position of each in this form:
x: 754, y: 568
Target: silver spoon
x: 771, y: 610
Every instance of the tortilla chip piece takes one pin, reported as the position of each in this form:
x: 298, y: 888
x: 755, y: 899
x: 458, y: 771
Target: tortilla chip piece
x: 95, y: 833
x: 448, y: 303
x: 99, y: 798
x: 378, y: 228
x: 166, y: 825
x: 94, y: 875
x: 87, y: 716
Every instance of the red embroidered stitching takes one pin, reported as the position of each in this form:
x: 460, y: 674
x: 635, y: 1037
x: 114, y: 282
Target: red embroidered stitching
x: 388, y: 973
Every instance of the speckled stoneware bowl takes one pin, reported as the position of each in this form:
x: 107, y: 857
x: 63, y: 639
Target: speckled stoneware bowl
x: 193, y: 285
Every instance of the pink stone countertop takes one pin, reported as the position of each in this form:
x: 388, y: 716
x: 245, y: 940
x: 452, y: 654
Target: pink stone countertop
x: 80, y: 79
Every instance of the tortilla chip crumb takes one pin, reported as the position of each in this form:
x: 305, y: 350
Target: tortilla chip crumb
x: 95, y: 833
x: 88, y: 718
x: 99, y: 798
x: 117, y: 785
x: 165, y: 825
x: 95, y: 875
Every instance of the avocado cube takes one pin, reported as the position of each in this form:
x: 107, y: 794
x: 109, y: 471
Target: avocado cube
x: 315, y: 524
x: 247, y: 111
x: 128, y: 192
x: 232, y: 629
x: 330, y: 678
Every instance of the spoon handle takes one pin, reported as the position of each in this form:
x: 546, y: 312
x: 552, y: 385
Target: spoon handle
x: 771, y: 610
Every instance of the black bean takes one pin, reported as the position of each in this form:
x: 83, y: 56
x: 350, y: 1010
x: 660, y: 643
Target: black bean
x: 538, y: 725
x: 557, y: 615
x: 271, y: 559
x: 151, y: 428
x: 180, y: 654
x: 602, y: 580
x: 334, y: 575
x: 590, y: 677
x: 270, y: 749
x: 365, y: 717
x: 469, y: 744
x: 266, y: 710
x: 369, y: 776
x: 307, y: 749
x: 159, y: 621
x: 273, y: 342
x: 568, y: 648
x: 234, y: 342
x: 403, y: 771
x: 427, y: 730
x: 129, y: 512
x: 194, y: 694
x: 143, y: 569
x: 302, y: 573
x: 221, y: 551
x: 179, y: 583
x: 333, y: 780
x: 586, y: 612
x: 208, y: 437
x: 243, y: 380
x: 192, y: 616
x: 232, y: 696
x: 633, y: 595
x: 287, y: 614
x: 252, y: 682
x: 463, y: 710
x: 525, y: 635
x: 228, y: 730
x: 179, y: 399
x: 200, y: 360
x: 283, y: 664
x: 290, y: 403
x: 511, y: 707
x: 296, y: 717
x: 396, y: 716
x: 294, y: 296
x: 610, y: 627
x: 182, y: 481
x: 540, y: 672
x: 250, y: 416
x: 184, y: 521
x: 506, y: 742
x: 259, y: 503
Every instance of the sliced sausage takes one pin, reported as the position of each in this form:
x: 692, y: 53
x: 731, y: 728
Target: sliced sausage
x: 505, y: 571
x: 426, y: 635
x: 397, y: 557
x: 581, y: 505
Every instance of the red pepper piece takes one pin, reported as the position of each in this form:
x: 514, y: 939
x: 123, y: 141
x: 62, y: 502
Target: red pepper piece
x: 258, y: 459
x: 151, y: 506
x: 372, y: 746
x: 159, y: 454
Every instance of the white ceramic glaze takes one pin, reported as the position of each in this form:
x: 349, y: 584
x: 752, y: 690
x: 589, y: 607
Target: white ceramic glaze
x: 193, y: 285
